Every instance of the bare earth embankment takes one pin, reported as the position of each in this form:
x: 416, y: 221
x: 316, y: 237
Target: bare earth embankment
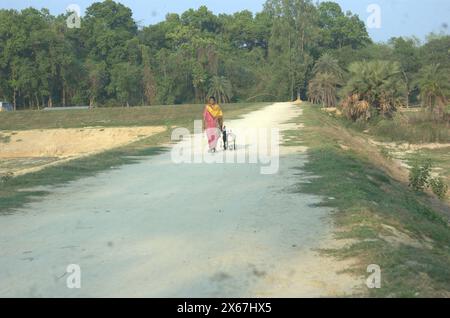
x: 26, y: 151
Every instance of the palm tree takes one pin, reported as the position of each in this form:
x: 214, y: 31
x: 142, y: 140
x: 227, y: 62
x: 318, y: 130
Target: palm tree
x: 328, y: 75
x: 198, y: 81
x: 314, y: 94
x: 328, y: 64
x: 379, y: 83
x: 323, y: 89
x: 220, y: 87
x: 433, y: 84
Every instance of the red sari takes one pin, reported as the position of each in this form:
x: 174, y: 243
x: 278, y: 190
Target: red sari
x: 211, y: 117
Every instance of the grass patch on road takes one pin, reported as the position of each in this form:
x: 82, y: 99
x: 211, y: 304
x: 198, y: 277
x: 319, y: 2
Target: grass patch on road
x: 380, y: 218
x: 17, y: 191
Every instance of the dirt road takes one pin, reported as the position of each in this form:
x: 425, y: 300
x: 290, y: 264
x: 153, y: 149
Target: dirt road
x: 160, y: 229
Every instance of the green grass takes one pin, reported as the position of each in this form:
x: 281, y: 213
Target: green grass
x: 412, y: 127
x: 112, y: 117
x: 440, y: 159
x: 365, y: 200
x: 12, y: 192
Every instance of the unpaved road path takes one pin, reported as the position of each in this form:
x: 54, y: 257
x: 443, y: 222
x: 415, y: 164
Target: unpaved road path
x: 160, y: 229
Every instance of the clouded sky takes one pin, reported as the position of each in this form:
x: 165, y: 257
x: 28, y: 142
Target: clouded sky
x: 398, y: 17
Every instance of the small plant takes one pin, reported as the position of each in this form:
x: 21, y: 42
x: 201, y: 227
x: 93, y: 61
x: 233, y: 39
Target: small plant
x: 419, y: 175
x: 420, y: 179
x: 6, y: 177
x: 439, y: 187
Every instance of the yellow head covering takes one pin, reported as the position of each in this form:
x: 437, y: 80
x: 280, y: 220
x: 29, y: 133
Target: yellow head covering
x: 215, y: 110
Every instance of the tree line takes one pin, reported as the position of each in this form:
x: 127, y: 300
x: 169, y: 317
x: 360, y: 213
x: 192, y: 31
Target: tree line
x: 110, y: 60
x: 292, y: 48
x: 380, y: 78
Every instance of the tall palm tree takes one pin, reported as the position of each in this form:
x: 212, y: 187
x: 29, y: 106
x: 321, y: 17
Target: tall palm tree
x: 323, y: 89
x: 328, y: 64
x: 328, y: 75
x: 433, y: 83
x: 220, y: 87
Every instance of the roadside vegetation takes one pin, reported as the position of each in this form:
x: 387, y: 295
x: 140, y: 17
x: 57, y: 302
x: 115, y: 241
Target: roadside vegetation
x: 399, y: 93
x: 379, y: 219
x: 411, y: 126
x: 416, y: 139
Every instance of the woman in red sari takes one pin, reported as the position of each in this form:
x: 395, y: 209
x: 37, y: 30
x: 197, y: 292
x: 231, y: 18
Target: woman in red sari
x: 212, y: 123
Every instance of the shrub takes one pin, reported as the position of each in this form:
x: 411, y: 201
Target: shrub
x: 419, y: 175
x: 439, y: 187
x: 354, y: 108
x: 420, y: 179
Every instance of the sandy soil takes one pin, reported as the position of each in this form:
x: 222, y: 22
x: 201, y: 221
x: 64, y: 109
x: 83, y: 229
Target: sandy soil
x: 160, y: 229
x: 409, y: 148
x: 34, y: 149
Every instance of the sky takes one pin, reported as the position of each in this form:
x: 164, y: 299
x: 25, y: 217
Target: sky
x: 396, y: 17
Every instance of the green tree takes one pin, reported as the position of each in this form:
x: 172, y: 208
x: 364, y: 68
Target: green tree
x: 245, y: 31
x: 339, y: 29
x: 126, y: 80
x: 323, y: 89
x: 148, y: 77
x: 328, y: 64
x: 433, y: 83
x: 221, y: 89
x: 293, y: 38
x: 328, y: 75
x: 107, y: 26
x: 97, y: 79
x: 201, y: 19
x: 436, y: 51
x: 379, y: 83
x: 406, y: 52
x: 291, y: 48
